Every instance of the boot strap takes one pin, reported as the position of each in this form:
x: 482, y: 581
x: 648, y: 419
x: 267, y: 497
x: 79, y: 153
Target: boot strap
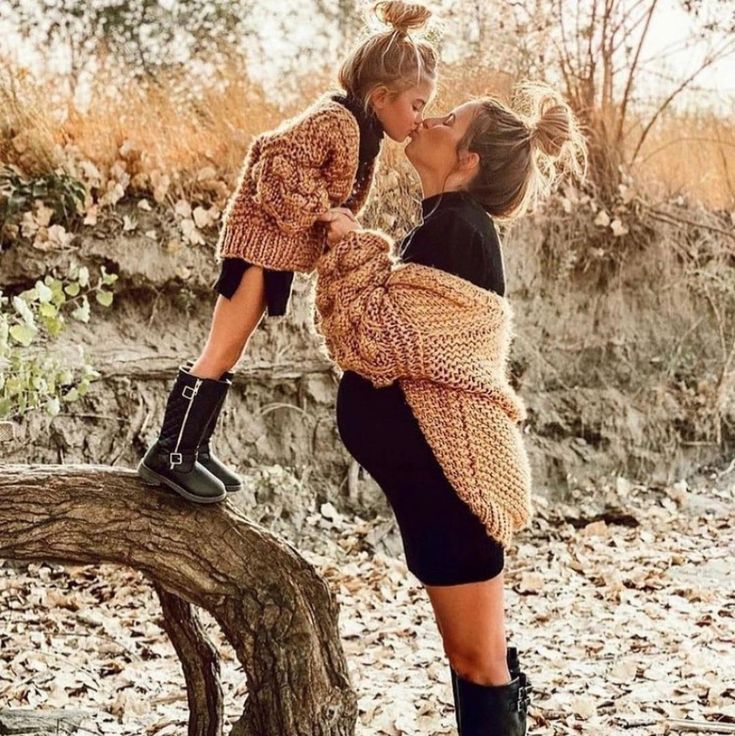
x: 524, y: 699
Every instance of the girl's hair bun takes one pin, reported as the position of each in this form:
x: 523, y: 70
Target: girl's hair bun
x: 404, y: 17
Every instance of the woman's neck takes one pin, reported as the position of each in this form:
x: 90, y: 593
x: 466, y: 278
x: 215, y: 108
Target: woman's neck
x: 431, y: 184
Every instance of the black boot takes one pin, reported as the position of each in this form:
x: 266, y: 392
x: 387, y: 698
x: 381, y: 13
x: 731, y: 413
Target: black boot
x: 487, y: 710
x: 205, y: 456
x: 513, y: 667
x: 172, y: 459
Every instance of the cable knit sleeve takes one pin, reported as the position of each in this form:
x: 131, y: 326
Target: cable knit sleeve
x: 302, y: 169
x: 388, y: 320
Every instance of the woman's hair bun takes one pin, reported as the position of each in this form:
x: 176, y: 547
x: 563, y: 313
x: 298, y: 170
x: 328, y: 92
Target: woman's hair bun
x: 552, y: 125
x: 404, y: 17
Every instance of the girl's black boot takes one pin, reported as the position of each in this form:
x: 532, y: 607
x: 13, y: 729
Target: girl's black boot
x: 172, y: 459
x: 205, y: 456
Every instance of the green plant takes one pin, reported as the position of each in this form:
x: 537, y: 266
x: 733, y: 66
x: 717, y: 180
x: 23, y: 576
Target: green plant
x: 62, y: 194
x: 31, y: 376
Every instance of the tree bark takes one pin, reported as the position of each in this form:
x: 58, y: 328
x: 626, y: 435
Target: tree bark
x: 273, y: 606
x: 156, y: 367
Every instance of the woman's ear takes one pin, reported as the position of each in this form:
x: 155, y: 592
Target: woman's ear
x: 468, y: 164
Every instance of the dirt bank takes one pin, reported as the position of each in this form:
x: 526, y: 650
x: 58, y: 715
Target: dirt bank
x: 618, y: 376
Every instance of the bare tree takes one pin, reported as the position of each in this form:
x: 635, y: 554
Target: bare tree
x: 598, y: 49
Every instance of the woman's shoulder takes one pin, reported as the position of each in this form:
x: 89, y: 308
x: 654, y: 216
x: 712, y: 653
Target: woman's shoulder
x: 461, y: 222
x: 468, y: 213
x: 460, y: 241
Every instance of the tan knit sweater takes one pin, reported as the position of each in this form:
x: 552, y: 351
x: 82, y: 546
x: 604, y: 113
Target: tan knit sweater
x: 446, y: 341
x: 290, y: 176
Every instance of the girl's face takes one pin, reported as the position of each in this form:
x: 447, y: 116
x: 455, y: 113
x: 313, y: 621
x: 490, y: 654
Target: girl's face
x: 401, y: 114
x: 433, y: 147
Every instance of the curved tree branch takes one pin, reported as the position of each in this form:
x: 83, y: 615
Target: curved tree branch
x: 272, y: 605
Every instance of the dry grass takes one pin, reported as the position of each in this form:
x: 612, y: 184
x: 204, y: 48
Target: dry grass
x: 180, y: 133
x: 692, y: 153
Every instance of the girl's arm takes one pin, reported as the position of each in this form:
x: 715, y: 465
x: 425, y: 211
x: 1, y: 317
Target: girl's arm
x: 302, y: 169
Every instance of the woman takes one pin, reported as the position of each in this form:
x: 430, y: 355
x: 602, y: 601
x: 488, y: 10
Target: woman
x: 424, y: 404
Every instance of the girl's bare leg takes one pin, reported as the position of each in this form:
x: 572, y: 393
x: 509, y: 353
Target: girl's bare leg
x: 471, y: 621
x: 233, y: 322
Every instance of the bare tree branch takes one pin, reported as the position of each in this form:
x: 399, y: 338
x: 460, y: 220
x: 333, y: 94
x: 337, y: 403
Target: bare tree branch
x: 632, y: 72
x: 727, y: 49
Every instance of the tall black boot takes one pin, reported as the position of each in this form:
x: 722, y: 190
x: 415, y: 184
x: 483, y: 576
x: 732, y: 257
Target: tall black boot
x: 205, y: 456
x: 172, y: 459
x: 487, y: 710
x: 513, y: 667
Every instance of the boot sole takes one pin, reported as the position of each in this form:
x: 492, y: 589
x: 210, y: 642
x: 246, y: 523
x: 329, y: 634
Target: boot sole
x: 151, y: 478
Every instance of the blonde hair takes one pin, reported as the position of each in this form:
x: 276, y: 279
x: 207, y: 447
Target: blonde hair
x: 390, y: 58
x: 524, y: 149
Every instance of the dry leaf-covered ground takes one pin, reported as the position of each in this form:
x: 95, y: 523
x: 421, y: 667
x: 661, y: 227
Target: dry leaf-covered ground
x: 624, y: 612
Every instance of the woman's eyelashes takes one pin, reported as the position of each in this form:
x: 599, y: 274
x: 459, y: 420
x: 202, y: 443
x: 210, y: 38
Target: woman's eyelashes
x: 449, y: 119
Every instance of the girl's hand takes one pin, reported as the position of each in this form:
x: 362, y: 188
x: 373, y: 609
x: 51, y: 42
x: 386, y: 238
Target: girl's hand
x: 340, y: 221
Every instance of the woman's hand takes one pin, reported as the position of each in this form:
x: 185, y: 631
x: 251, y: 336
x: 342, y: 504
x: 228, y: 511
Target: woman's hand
x: 340, y: 222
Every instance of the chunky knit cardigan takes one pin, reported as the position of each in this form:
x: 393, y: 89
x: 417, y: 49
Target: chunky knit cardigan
x: 446, y: 341
x: 290, y: 176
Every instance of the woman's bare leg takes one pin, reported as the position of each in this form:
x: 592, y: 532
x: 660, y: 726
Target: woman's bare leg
x: 233, y: 322
x: 471, y: 621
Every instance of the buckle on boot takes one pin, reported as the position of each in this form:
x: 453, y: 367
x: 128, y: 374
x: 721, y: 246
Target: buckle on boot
x: 175, y: 458
x: 192, y: 389
x: 521, y: 705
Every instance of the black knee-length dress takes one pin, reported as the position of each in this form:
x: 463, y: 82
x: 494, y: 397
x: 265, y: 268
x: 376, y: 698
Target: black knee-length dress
x: 444, y: 542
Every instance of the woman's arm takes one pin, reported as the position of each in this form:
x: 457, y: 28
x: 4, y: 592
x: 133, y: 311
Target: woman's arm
x: 387, y: 320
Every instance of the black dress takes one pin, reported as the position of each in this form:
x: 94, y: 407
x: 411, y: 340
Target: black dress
x: 444, y: 542
x: 278, y: 284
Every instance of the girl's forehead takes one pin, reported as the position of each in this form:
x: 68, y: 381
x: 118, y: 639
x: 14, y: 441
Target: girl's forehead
x: 424, y: 89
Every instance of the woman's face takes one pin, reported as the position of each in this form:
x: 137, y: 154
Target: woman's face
x: 433, y: 145
x: 401, y: 114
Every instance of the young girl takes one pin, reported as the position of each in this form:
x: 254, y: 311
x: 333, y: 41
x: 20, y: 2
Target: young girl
x: 424, y: 404
x: 323, y: 158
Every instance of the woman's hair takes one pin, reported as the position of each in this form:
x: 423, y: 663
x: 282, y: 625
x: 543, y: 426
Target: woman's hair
x: 390, y: 58
x: 524, y: 148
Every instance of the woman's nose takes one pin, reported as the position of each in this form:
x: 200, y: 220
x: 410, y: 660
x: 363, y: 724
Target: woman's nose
x: 429, y: 122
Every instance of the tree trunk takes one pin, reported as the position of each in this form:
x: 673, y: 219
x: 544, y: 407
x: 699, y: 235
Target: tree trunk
x: 272, y: 605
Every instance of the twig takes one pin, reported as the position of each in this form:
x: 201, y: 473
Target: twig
x: 728, y: 469
x: 726, y: 50
x: 676, y: 724
x: 675, y: 219
x: 685, y: 139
